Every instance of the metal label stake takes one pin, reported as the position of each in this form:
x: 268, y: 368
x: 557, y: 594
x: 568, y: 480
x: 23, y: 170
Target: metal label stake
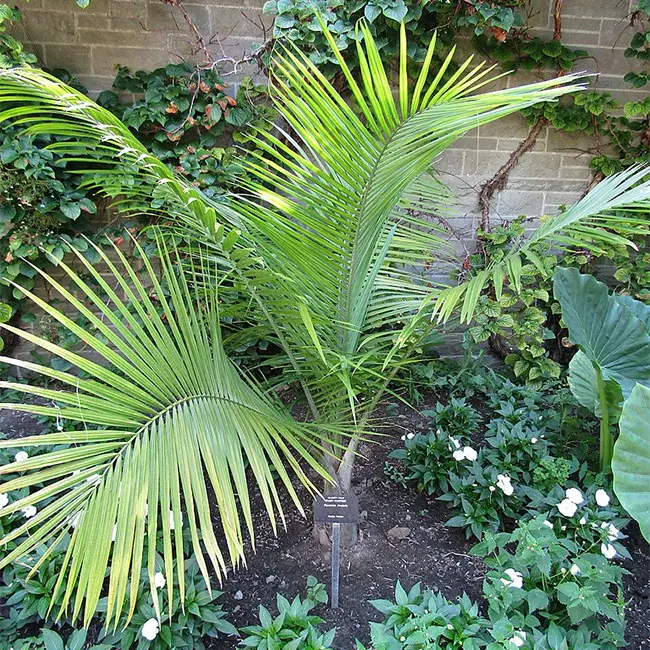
x: 336, y: 510
x: 336, y: 561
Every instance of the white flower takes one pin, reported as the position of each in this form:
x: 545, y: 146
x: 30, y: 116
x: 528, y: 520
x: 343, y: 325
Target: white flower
x: 602, y: 498
x: 28, y: 511
x: 171, y: 519
x: 573, y: 494
x: 75, y: 519
x: 612, y: 531
x: 519, y: 638
x: 146, y: 509
x: 583, y: 521
x: 459, y: 454
x: 403, y: 438
x: 575, y: 570
x: 567, y: 507
x: 607, y: 550
x: 410, y: 436
x: 504, y: 483
x: 150, y: 629
x: 546, y: 522
x: 454, y: 442
x: 533, y: 440
x: 514, y: 579
x: 470, y: 453
x: 159, y: 580
x: 21, y: 456
x: 492, y: 488
x: 4, y: 500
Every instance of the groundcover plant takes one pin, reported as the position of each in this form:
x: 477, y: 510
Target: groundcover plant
x: 326, y: 246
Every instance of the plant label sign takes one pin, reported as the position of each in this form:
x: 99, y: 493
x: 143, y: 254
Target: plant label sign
x: 337, y: 509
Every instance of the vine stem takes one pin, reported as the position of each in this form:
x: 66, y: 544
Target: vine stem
x: 500, y: 179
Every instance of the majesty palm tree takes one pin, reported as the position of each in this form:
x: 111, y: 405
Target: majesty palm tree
x: 327, y: 240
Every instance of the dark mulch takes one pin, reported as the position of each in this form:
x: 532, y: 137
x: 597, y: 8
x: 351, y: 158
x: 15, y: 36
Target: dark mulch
x: 431, y: 554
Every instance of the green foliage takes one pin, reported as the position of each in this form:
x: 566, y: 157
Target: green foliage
x: 525, y: 53
x: 630, y: 460
x: 614, y: 347
x: 294, y: 627
x: 191, y: 621
x: 425, y: 620
x: 183, y: 115
x: 296, y: 22
x: 43, y: 209
x: 551, y: 587
x: 12, y: 52
x: 457, y: 417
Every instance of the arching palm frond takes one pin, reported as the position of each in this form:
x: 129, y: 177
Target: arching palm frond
x: 334, y: 220
x: 167, y: 422
x: 111, y: 160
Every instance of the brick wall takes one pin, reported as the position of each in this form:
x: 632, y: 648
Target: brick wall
x: 148, y: 33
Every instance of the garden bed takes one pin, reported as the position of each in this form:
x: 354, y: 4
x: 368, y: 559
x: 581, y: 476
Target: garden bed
x: 425, y: 551
x: 433, y: 554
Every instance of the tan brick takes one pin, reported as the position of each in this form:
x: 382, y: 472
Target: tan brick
x: 104, y: 59
x: 128, y: 9
x: 161, y: 17
x: 512, y: 203
x: 600, y: 8
x: 119, y: 24
x: 47, y: 27
x: 235, y: 22
x: 95, y: 7
x: 616, y: 33
x: 113, y: 39
x: 92, y: 21
x: 75, y: 58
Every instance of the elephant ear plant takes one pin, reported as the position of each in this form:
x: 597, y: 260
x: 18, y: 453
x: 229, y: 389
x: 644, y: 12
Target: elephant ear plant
x: 610, y: 375
x: 325, y: 241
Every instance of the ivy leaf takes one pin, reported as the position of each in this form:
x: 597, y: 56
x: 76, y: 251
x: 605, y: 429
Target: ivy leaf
x: 371, y: 12
x: 397, y: 12
x: 70, y: 210
x: 83, y: 3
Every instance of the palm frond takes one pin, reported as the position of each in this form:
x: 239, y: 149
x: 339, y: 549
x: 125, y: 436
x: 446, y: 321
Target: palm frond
x: 617, y: 208
x: 166, y: 420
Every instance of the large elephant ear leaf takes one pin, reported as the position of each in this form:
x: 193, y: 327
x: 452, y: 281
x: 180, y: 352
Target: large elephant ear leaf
x: 631, y: 461
x: 584, y: 386
x: 639, y: 309
x: 606, y: 331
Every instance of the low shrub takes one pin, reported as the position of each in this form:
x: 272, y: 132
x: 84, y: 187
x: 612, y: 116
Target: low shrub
x: 294, y: 627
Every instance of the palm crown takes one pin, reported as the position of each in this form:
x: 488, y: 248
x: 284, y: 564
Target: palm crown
x: 325, y: 242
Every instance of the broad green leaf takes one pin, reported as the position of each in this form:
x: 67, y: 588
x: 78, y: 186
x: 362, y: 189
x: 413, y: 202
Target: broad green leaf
x: 631, y: 461
x: 584, y: 385
x: 609, y: 335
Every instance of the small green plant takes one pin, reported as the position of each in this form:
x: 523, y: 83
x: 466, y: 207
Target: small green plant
x: 551, y: 472
x: 455, y: 418
x: 425, y: 620
x: 294, y: 627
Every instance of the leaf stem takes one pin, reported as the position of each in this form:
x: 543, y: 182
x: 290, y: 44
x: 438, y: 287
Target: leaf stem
x: 605, y: 431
